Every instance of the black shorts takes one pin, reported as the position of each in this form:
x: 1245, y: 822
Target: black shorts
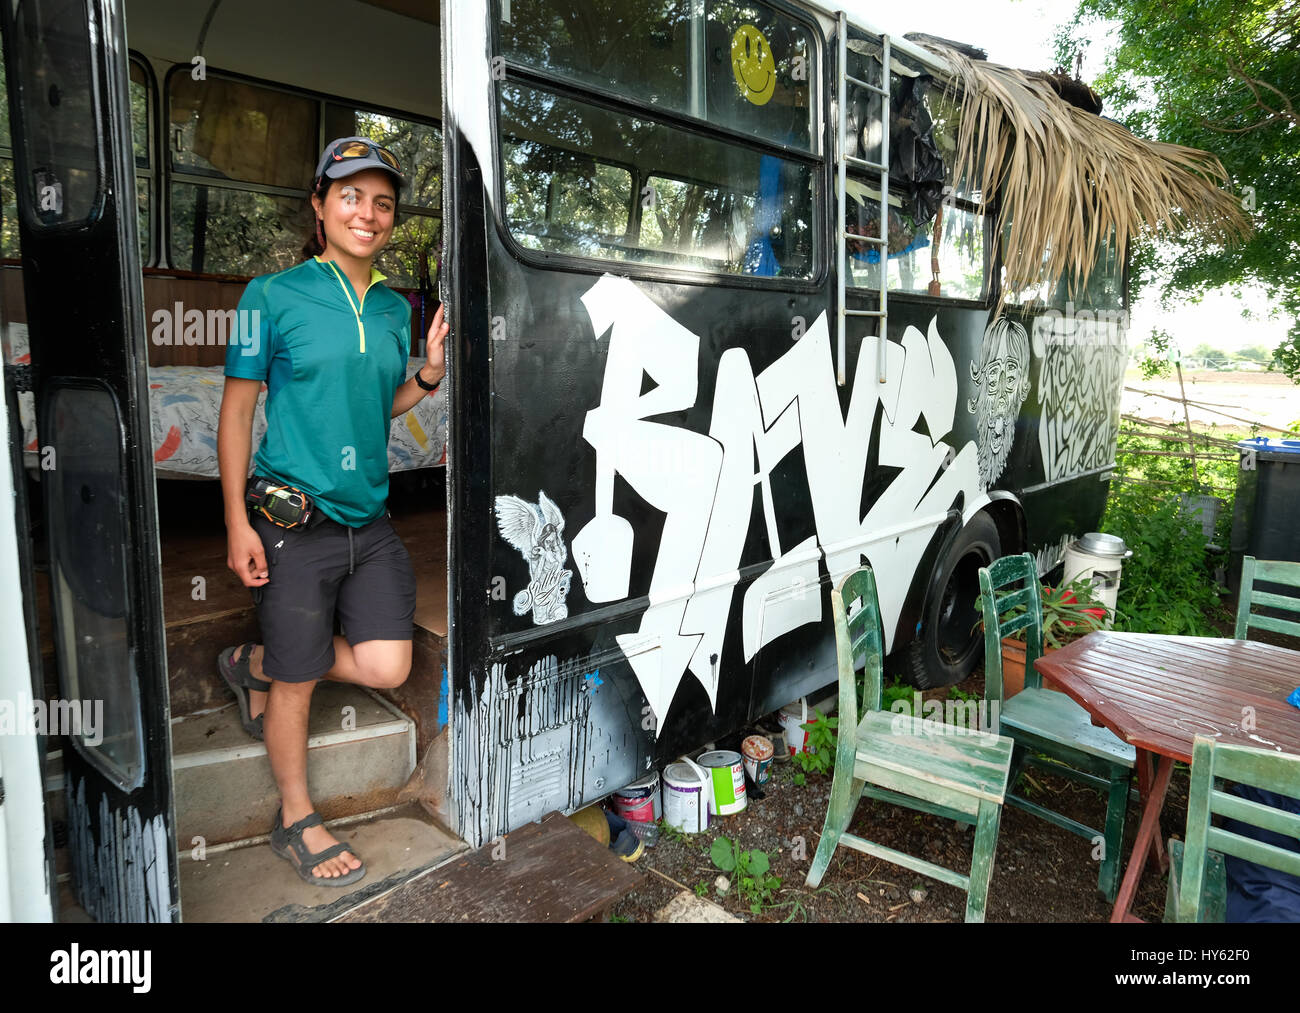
x: 365, y: 573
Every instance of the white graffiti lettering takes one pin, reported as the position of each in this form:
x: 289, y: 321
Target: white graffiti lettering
x: 705, y: 484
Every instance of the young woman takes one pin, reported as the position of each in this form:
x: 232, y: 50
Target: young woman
x: 331, y: 343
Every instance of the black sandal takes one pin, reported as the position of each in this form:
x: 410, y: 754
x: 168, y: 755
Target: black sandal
x: 287, y: 842
x: 238, y: 675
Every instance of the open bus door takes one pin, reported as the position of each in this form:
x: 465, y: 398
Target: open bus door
x: 67, y: 73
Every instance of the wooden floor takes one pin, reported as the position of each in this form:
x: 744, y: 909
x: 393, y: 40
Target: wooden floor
x: 547, y: 872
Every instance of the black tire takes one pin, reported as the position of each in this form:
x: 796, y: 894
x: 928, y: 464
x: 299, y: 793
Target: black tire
x: 951, y: 643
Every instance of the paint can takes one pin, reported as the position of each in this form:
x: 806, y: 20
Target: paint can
x: 757, y: 751
x: 686, y: 797
x: 639, y: 804
x: 727, y: 781
x: 792, y: 717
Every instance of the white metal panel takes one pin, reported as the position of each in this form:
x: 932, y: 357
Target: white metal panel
x: 24, y: 883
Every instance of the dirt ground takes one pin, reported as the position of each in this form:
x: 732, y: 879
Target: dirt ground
x: 1041, y: 873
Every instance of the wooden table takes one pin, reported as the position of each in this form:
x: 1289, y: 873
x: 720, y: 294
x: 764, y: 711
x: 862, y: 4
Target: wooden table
x: 1158, y: 693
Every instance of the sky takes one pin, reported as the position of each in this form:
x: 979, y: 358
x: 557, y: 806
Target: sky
x: 1019, y: 33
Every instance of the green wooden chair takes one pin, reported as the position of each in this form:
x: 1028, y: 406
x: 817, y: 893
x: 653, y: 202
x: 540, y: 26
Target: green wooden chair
x: 898, y: 758
x: 1051, y: 731
x: 1197, y: 876
x: 1274, y: 572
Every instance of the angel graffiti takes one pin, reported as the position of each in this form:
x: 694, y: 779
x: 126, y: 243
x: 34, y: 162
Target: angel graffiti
x: 1002, y: 384
x: 536, y: 530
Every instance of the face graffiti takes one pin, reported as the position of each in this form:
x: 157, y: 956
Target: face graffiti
x: 705, y: 484
x: 1002, y: 380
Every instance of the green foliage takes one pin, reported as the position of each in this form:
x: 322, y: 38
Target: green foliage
x: 1224, y: 77
x: 1165, y: 587
x: 1069, y: 612
x: 750, y: 871
x: 798, y: 779
x: 701, y: 889
x: 671, y: 833
x: 896, y: 690
x: 820, y: 745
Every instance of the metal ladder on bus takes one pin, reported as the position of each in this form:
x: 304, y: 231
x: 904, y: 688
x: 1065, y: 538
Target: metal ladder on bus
x: 842, y: 161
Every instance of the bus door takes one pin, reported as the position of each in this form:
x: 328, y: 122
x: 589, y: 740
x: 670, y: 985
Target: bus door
x: 70, y: 118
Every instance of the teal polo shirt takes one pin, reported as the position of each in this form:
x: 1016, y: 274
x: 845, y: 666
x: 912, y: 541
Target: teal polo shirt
x: 332, y: 362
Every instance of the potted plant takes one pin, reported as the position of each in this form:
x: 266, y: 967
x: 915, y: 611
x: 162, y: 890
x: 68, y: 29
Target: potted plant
x: 1069, y: 612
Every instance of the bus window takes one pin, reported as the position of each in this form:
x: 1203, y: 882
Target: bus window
x: 8, y: 196
x: 741, y: 212
x: 241, y: 159
x: 142, y: 119
x: 956, y: 232
x: 55, y: 88
x: 742, y: 65
x: 936, y: 240
x: 564, y: 202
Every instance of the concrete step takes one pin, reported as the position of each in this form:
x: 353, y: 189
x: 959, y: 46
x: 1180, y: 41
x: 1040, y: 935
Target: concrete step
x: 251, y: 883
x: 361, y: 751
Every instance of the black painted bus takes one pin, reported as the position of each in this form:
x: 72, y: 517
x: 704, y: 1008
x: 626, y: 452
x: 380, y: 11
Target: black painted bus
x: 724, y: 328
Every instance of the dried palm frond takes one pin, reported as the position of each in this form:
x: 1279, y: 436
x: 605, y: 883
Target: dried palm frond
x: 1069, y: 182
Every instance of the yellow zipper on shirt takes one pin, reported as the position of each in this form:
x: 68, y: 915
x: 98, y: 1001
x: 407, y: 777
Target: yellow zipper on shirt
x: 361, y: 327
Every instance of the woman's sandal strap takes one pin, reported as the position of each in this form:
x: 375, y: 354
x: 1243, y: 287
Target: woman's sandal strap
x: 310, y: 820
x: 242, y: 671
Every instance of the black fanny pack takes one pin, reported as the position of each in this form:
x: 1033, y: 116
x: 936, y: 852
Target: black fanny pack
x: 280, y: 504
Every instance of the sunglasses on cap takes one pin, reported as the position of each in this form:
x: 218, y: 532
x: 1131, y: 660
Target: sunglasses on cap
x: 360, y: 149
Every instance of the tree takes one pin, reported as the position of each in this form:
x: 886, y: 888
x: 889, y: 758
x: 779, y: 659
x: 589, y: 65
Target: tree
x: 1223, y: 76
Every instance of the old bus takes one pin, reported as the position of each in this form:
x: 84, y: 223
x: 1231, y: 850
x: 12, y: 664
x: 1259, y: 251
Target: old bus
x: 724, y: 327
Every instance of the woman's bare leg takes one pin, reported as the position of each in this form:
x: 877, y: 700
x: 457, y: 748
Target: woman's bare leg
x: 285, y: 729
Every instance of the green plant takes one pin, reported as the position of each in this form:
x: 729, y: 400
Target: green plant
x: 750, y: 871
x: 818, y: 754
x: 701, y: 889
x: 1069, y: 612
x: 896, y: 690
x: 956, y: 694
x: 671, y: 833
x: 1165, y: 587
x: 798, y: 779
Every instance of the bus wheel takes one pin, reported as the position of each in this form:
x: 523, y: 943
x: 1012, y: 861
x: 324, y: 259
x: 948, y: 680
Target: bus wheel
x: 951, y: 640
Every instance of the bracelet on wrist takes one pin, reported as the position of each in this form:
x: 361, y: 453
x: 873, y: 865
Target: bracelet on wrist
x: 430, y: 388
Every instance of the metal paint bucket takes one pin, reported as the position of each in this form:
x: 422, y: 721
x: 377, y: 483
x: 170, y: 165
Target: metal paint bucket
x: 639, y: 804
x: 686, y: 797
x: 792, y: 717
x: 757, y: 751
x: 727, y: 779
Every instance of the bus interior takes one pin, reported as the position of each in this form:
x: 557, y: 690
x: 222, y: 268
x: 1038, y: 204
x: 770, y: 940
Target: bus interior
x: 231, y: 103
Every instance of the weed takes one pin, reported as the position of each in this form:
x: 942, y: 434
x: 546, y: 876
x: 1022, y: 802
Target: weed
x: 818, y: 755
x: 671, y: 833
x: 896, y: 690
x: 798, y: 779
x: 701, y: 889
x: 750, y: 871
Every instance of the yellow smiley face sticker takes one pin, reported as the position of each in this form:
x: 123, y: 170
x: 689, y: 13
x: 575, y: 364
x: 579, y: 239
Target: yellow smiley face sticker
x: 753, y: 65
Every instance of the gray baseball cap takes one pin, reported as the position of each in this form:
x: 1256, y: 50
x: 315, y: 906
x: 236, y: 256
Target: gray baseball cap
x: 361, y: 153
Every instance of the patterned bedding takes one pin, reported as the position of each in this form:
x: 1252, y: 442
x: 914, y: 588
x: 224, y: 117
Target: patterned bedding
x: 184, y: 404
